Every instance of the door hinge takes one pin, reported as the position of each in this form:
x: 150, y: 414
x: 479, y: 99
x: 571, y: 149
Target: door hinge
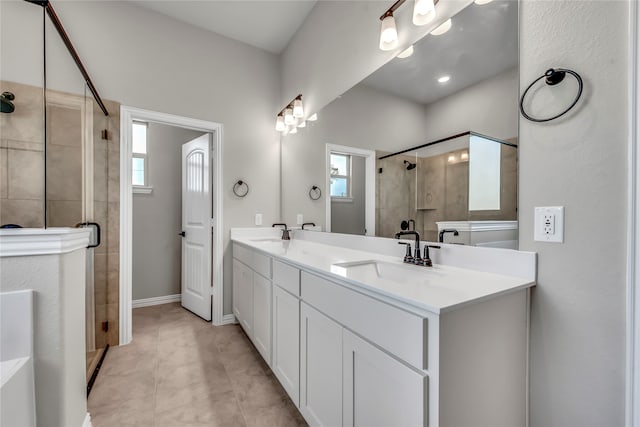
x: 105, y: 326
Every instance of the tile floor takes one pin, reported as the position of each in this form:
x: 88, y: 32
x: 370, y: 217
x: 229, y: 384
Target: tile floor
x: 181, y: 371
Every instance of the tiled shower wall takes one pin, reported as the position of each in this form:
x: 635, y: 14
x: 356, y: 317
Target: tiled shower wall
x: 22, y: 181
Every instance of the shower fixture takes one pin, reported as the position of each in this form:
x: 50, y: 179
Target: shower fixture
x: 5, y: 100
x: 409, y: 165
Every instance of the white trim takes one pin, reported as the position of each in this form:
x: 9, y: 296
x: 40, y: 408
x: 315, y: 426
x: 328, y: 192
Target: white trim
x: 370, y: 188
x: 127, y: 116
x: 140, y: 189
x: 87, y: 421
x: 229, y: 319
x: 165, y: 299
x: 478, y: 225
x: 632, y: 388
x: 341, y: 199
x: 42, y: 241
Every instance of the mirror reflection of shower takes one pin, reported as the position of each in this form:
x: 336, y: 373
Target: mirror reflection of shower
x: 5, y: 102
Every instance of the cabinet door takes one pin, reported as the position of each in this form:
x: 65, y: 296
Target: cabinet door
x: 320, y: 369
x: 286, y: 341
x: 243, y: 296
x: 378, y: 390
x: 262, y: 316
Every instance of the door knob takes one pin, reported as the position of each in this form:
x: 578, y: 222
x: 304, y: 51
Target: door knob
x: 182, y: 233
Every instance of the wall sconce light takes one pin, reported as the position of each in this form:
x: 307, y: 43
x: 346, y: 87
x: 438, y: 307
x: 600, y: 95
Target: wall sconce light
x: 298, y: 110
x: 424, y: 11
x: 280, y: 126
x: 288, y: 116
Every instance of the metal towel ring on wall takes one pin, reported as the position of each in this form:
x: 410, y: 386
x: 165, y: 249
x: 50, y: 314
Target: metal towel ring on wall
x: 240, y: 188
x: 552, y: 77
x: 315, y: 193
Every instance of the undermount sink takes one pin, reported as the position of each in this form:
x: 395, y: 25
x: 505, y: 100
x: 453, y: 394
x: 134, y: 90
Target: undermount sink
x: 383, y: 270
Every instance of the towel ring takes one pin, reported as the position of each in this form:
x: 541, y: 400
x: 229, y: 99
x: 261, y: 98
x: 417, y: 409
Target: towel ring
x: 315, y: 193
x: 552, y: 77
x: 240, y: 188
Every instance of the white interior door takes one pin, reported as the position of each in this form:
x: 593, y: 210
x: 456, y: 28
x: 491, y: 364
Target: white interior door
x: 196, y: 226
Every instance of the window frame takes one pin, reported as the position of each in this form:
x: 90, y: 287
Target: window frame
x: 347, y: 178
x: 145, y: 188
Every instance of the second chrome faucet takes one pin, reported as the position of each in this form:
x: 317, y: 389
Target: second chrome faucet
x: 416, y: 258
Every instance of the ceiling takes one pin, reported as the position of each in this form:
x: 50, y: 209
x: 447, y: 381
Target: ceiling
x: 265, y: 24
x: 482, y: 42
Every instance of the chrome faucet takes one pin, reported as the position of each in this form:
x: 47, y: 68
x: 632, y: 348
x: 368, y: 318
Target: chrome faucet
x: 417, y: 259
x: 446, y: 230
x: 426, y: 258
x: 313, y: 224
x: 285, y: 231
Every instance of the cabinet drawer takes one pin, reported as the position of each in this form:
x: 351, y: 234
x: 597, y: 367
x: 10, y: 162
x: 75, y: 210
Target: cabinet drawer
x: 397, y: 331
x: 286, y: 277
x: 256, y: 261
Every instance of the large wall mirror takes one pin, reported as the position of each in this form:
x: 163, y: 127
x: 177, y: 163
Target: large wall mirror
x: 427, y: 142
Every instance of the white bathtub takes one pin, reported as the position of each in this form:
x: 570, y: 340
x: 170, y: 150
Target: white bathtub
x: 17, y: 387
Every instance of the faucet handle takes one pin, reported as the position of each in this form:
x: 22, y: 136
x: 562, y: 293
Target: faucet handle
x: 427, y: 260
x: 407, y: 257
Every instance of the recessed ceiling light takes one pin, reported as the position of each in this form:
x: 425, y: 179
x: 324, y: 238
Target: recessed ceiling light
x: 444, y: 79
x: 443, y: 28
x: 406, y: 53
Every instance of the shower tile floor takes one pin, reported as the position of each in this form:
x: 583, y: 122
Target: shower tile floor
x: 181, y: 371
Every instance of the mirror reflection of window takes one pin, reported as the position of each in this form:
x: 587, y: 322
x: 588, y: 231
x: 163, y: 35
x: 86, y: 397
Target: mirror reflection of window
x: 484, y: 174
x: 340, y: 176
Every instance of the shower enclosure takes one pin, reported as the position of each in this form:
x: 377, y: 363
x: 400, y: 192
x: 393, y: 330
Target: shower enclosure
x: 59, y: 155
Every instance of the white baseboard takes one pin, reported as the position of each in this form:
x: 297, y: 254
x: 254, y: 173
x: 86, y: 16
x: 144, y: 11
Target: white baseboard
x: 228, y: 319
x: 146, y: 302
x: 87, y: 421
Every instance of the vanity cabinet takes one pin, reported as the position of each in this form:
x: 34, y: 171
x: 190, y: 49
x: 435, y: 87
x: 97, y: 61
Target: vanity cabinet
x: 252, y: 297
x: 320, y: 368
x: 377, y: 389
x: 286, y: 328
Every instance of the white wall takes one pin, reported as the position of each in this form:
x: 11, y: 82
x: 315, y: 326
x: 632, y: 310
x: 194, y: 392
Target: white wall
x: 144, y: 59
x: 489, y: 107
x: 157, y: 217
x: 363, y: 118
x: 580, y: 162
x: 348, y: 217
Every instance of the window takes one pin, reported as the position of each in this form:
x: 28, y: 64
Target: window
x: 340, y: 176
x: 484, y: 174
x: 140, y: 172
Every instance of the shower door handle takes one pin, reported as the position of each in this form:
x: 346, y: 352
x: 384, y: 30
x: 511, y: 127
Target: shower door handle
x: 182, y: 233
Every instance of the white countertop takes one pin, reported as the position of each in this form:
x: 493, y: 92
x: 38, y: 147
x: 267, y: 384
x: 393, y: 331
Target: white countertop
x: 438, y: 289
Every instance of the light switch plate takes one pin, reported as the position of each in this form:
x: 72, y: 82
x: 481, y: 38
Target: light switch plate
x: 549, y: 224
x: 258, y: 219
x: 299, y: 219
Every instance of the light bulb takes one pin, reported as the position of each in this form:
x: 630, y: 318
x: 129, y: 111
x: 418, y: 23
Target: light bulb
x: 280, y: 126
x: 293, y: 130
x: 443, y: 28
x: 406, y: 53
x: 302, y: 124
x: 481, y: 2
x: 313, y: 117
x: 444, y: 79
x: 288, y: 116
x: 298, y: 111
x: 451, y: 158
x: 388, y: 33
x: 424, y: 11
x: 464, y: 156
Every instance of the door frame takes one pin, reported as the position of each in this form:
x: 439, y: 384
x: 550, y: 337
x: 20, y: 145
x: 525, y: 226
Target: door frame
x: 127, y: 116
x: 370, y: 187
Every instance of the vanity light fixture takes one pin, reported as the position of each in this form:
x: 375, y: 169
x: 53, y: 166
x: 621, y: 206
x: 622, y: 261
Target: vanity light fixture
x: 444, y: 79
x: 313, y: 117
x: 298, y: 110
x: 280, y: 126
x: 424, y: 11
x: 388, y: 31
x: 288, y: 116
x: 443, y: 28
x: 406, y: 53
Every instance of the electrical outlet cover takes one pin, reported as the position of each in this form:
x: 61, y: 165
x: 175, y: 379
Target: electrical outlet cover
x: 258, y: 219
x: 549, y: 224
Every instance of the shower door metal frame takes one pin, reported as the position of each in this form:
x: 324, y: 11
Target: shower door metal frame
x: 127, y: 116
